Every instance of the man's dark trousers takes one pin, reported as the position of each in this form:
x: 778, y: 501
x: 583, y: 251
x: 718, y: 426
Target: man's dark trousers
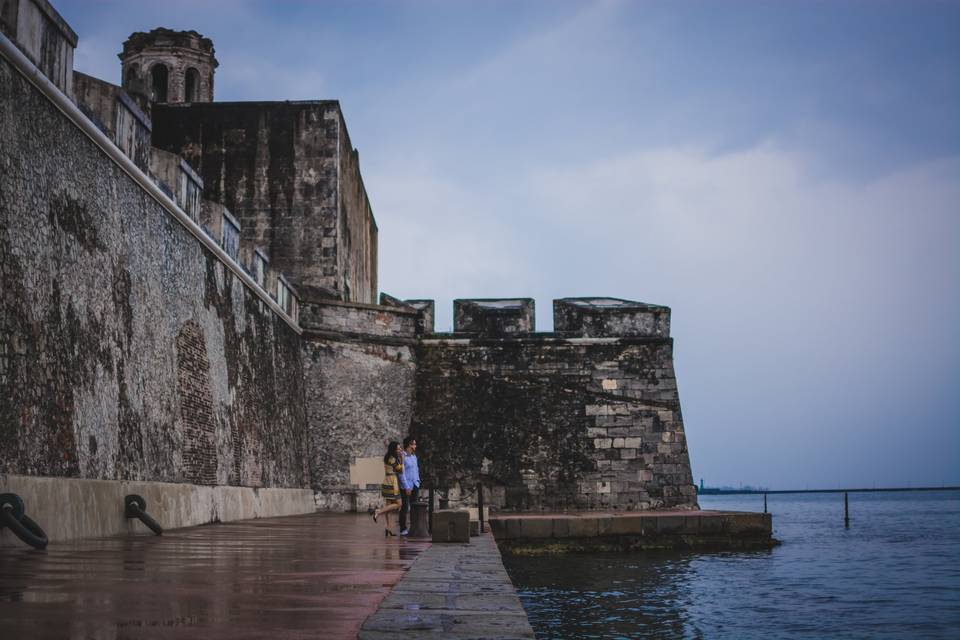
x: 405, y: 507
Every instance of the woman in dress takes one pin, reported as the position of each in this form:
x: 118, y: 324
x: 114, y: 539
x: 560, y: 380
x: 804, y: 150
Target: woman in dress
x: 390, y: 489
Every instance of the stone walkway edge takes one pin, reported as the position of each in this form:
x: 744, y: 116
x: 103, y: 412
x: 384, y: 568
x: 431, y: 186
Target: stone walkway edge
x: 452, y: 591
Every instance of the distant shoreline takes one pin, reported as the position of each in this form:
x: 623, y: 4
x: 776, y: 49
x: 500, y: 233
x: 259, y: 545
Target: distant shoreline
x: 708, y: 491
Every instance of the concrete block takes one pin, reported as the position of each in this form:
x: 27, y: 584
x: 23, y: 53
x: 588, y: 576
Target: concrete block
x: 451, y: 525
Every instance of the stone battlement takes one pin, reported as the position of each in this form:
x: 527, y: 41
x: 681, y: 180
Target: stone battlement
x: 587, y: 317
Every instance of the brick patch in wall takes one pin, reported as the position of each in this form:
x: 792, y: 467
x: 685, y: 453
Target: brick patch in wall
x: 196, y: 406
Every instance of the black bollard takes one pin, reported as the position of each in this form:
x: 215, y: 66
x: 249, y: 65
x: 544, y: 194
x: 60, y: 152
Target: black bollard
x: 480, y: 504
x: 764, y: 503
x: 430, y: 516
x: 846, y: 511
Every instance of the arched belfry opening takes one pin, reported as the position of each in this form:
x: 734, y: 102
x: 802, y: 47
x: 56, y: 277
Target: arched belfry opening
x: 159, y: 76
x: 191, y: 85
x: 132, y: 77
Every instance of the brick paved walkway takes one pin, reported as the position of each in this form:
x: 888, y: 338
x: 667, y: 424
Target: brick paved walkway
x: 314, y: 576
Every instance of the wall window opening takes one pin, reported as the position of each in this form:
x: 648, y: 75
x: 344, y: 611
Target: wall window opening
x: 159, y: 76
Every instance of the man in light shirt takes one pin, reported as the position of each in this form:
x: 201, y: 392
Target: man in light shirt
x: 409, y: 480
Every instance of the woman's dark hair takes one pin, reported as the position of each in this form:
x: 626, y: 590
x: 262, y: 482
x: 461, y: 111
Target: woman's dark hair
x: 391, y: 451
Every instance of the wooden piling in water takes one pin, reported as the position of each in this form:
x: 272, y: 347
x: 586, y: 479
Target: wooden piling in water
x: 846, y: 510
x: 764, y: 503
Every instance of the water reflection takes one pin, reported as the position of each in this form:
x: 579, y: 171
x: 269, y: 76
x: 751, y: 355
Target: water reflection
x: 609, y: 595
x: 895, y: 573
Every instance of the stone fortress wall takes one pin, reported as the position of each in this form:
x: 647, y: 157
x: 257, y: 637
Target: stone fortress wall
x: 587, y: 417
x: 189, y: 296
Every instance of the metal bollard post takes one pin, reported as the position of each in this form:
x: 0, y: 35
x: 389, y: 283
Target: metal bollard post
x: 480, y: 503
x: 764, y: 503
x: 135, y: 506
x: 846, y: 511
x: 12, y: 516
x: 430, y: 517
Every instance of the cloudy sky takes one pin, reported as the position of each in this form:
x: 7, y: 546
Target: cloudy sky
x: 784, y: 175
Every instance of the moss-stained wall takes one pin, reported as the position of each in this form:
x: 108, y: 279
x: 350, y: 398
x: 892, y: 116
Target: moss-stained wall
x: 359, y: 370
x: 551, y: 423
x: 127, y: 350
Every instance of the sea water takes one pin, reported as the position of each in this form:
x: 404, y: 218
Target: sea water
x: 894, y: 573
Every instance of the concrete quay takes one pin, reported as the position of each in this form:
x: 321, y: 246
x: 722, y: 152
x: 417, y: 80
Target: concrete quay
x: 626, y: 531
x: 310, y: 576
x: 452, y: 591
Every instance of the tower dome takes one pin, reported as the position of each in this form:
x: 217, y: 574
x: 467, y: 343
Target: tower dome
x: 169, y: 66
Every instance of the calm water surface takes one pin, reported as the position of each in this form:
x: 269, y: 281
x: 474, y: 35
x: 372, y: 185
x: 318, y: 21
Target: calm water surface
x: 895, y: 573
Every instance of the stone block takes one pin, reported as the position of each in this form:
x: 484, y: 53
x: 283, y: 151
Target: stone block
x: 623, y: 526
x: 602, y: 443
x: 632, y: 443
x: 535, y: 527
x: 587, y: 527
x: 671, y: 524
x: 451, y: 525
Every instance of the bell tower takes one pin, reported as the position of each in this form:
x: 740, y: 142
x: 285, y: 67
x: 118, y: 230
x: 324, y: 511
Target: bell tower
x: 167, y: 66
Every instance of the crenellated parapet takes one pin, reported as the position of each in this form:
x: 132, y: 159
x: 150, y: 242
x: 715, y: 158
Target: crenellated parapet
x: 610, y: 317
x: 586, y: 317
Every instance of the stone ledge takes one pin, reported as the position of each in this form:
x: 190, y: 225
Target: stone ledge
x: 548, y: 533
x: 72, y: 508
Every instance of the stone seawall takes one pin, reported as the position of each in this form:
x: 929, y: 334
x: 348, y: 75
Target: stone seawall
x: 129, y: 350
x: 554, y: 423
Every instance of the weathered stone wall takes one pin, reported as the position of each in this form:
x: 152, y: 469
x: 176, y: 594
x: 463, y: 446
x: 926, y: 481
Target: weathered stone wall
x: 552, y: 423
x: 127, y: 349
x: 41, y: 33
x: 100, y: 101
x: 287, y: 172
x: 357, y: 233
x: 359, y: 370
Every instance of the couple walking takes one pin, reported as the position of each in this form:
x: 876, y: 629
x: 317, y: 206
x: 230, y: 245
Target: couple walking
x: 401, y: 483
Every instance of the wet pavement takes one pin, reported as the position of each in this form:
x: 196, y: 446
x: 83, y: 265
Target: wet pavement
x: 313, y: 576
x: 453, y: 591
